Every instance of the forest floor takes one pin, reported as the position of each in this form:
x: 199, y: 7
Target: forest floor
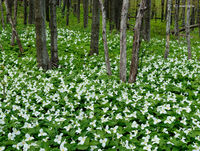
x: 79, y: 107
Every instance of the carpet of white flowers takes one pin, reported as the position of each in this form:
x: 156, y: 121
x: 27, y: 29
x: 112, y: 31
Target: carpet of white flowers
x: 78, y: 107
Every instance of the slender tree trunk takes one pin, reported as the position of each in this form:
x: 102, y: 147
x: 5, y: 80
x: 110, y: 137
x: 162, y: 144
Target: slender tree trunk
x: 176, y: 27
x: 123, y: 40
x: 25, y: 12
x: 104, y: 38
x: 78, y: 10
x: 10, y: 4
x: 85, y: 12
x: 188, y: 30
x: 47, y: 10
x: 31, y: 12
x: 163, y: 9
x: 192, y: 18
x: 147, y: 21
x: 112, y: 14
x: 198, y: 17
x: 68, y: 11
x: 63, y: 9
x: 14, y: 22
x: 118, y: 8
x: 2, y: 17
x: 53, y: 27
x: 13, y: 27
x: 94, y: 45
x: 168, y: 28
x: 40, y: 27
x: 183, y: 12
x: 166, y: 8
x: 136, y: 44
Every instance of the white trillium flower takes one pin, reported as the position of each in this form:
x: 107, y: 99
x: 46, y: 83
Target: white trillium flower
x: 103, y: 142
x: 82, y: 140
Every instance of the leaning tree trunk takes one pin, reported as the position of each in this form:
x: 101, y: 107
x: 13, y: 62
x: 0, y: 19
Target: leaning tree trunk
x: 40, y: 27
x: 2, y: 17
x: 94, y: 45
x: 176, y: 27
x: 147, y: 21
x: 53, y: 27
x: 183, y: 13
x: 14, y: 22
x: 188, y: 30
x: 31, y: 12
x: 85, y: 12
x: 136, y: 44
x: 25, y: 12
x: 13, y: 27
x: 123, y: 40
x: 168, y: 28
x: 104, y: 38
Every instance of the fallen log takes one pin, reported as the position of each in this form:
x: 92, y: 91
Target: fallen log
x: 184, y: 28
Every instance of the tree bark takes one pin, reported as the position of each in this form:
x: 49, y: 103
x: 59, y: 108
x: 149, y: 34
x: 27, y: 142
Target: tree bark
x: 2, y: 17
x: 136, y: 44
x: 188, y: 30
x: 63, y: 9
x: 31, y: 12
x: 147, y: 21
x: 14, y: 22
x: 168, y: 28
x: 13, y: 27
x: 40, y: 27
x: 85, y: 11
x: 68, y: 11
x: 78, y: 11
x: 94, y: 45
x: 176, y: 27
x: 25, y: 12
x: 105, y: 39
x: 163, y: 9
x: 183, y: 13
x: 10, y: 4
x: 54, y: 35
x: 123, y: 40
x: 47, y: 10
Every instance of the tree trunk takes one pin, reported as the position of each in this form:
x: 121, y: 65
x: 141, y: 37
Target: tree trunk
x: 198, y: 17
x: 192, y: 18
x: 47, y: 10
x: 176, y: 27
x: 136, y: 44
x: 163, y: 9
x: 2, y: 17
x: 68, y: 11
x: 78, y: 10
x: 188, y: 30
x: 13, y: 27
x: 123, y: 40
x: 118, y: 8
x: 25, y: 12
x: 104, y: 38
x: 14, y: 22
x: 40, y: 27
x: 94, y: 45
x: 168, y: 28
x: 147, y: 21
x: 183, y: 12
x: 53, y: 27
x: 10, y: 4
x: 63, y: 9
x: 112, y: 14
x: 85, y: 11
x: 31, y: 12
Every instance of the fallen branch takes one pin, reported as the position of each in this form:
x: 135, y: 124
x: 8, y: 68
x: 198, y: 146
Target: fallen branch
x: 184, y: 28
